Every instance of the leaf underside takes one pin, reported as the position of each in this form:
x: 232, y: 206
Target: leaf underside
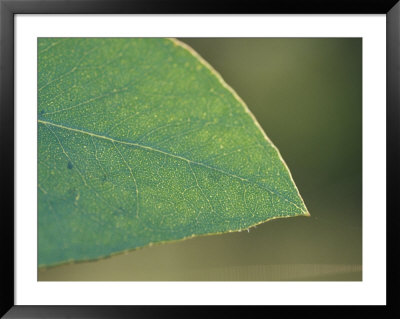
x: 140, y: 141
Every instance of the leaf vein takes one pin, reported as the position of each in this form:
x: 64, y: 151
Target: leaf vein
x: 152, y: 149
x: 78, y: 170
x: 133, y: 177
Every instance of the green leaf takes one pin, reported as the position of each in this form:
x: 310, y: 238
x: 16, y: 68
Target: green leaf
x: 140, y: 141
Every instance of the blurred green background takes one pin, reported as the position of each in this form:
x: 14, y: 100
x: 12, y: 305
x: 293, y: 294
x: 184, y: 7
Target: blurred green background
x: 307, y: 95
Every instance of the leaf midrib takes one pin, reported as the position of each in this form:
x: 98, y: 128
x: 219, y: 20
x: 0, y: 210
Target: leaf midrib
x: 152, y: 149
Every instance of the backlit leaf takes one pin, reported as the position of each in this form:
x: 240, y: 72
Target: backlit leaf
x: 140, y: 141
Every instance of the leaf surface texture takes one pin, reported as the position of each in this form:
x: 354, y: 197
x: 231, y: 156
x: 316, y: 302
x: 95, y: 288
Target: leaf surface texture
x: 140, y: 141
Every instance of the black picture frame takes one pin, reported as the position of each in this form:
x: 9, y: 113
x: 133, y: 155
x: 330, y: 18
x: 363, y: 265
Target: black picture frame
x: 8, y: 9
